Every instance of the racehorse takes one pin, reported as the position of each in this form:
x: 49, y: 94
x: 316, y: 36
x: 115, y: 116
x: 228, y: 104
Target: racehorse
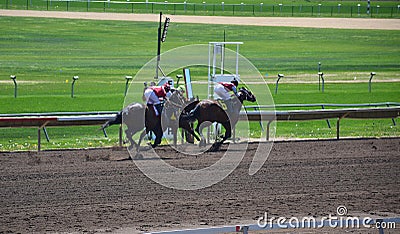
x: 207, y: 112
x: 172, y: 116
x: 141, y: 118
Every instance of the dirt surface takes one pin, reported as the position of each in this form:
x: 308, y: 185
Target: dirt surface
x: 343, y: 23
x: 94, y: 190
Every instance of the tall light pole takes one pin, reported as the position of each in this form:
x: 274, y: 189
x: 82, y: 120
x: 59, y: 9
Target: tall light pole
x: 161, y: 38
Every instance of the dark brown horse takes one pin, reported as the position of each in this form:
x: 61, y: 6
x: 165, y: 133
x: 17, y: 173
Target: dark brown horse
x: 207, y: 112
x: 141, y: 118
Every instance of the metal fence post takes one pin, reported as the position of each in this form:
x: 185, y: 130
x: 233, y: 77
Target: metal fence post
x: 74, y: 78
x: 277, y: 82
x: 321, y: 76
x: 14, y: 77
x: 370, y: 81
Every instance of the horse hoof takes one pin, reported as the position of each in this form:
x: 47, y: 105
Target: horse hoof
x: 215, y: 147
x: 138, y: 156
x: 202, y: 143
x: 190, y: 141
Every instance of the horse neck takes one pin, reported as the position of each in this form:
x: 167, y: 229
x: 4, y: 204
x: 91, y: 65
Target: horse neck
x: 238, y: 102
x: 241, y: 98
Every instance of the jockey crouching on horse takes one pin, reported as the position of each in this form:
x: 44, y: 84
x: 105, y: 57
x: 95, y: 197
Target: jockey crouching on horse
x: 223, y: 89
x: 154, y: 94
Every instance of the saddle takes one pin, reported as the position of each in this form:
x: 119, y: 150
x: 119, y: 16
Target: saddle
x: 226, y: 105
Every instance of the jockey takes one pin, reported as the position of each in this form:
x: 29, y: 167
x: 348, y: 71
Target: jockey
x: 154, y: 94
x: 222, y: 89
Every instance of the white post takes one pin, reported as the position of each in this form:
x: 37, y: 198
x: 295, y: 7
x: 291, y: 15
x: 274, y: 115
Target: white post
x: 222, y: 58
x: 237, y: 61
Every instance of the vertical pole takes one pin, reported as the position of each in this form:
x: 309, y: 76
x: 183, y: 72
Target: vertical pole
x: 327, y: 121
x: 15, y: 88
x: 158, y: 46
x: 74, y: 79
x: 319, y: 78
x: 120, y: 135
x: 277, y: 82
x: 237, y: 60
x: 46, y: 134
x: 222, y: 58
x: 267, y: 133
x: 13, y: 77
x: 338, y: 129
x: 209, y: 72
x: 393, y: 121
x: 370, y: 81
x: 39, y: 141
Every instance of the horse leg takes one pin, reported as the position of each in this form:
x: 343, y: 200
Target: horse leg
x: 228, y: 131
x: 199, y: 130
x: 129, y: 135
x: 175, y: 134
x: 228, y: 134
x: 194, y: 134
x: 138, y: 154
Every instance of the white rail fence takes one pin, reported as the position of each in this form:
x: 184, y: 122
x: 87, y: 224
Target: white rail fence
x: 43, y: 120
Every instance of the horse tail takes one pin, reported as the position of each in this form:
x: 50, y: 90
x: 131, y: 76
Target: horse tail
x: 116, y: 120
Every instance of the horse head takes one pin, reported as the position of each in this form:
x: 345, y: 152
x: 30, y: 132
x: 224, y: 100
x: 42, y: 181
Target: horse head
x: 246, y: 95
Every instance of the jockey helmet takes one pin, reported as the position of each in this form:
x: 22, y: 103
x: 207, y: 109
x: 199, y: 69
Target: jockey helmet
x: 167, y: 87
x: 235, y: 82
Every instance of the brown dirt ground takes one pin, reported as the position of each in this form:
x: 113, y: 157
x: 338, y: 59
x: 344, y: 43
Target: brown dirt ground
x: 93, y: 190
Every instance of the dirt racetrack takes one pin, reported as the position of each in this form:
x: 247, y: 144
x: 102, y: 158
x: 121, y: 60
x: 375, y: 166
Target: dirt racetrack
x: 94, y: 190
